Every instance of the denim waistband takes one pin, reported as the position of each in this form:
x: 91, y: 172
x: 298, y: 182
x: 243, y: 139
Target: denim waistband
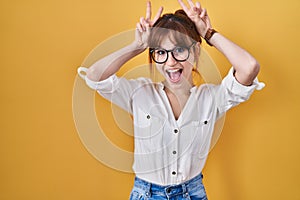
x: 168, y: 190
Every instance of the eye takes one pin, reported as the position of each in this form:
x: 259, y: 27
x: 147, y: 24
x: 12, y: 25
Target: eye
x: 160, y: 52
x: 180, y: 50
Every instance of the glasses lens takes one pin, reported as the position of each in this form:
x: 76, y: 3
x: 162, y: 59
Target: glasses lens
x: 180, y: 53
x: 160, y: 55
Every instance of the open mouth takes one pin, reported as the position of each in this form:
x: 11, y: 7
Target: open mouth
x: 174, y: 74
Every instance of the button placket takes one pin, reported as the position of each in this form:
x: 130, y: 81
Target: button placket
x: 173, y: 152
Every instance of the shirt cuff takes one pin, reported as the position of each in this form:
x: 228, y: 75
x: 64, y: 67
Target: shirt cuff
x: 235, y: 87
x: 106, y: 86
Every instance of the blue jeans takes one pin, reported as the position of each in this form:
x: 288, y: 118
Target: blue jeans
x: 189, y: 190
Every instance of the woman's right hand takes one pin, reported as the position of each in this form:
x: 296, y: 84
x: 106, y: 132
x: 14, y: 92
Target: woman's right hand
x: 143, y: 27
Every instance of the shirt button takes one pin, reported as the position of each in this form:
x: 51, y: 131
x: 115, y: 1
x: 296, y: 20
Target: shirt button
x: 148, y: 116
x: 175, y: 130
x: 174, y: 152
x: 173, y: 173
x: 205, y: 122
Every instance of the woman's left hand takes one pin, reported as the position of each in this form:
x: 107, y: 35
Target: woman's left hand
x: 198, y: 15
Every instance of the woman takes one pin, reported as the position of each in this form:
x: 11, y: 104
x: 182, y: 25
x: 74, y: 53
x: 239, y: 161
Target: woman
x: 174, y: 119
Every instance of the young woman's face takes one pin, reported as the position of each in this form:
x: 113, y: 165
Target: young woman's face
x: 175, y: 72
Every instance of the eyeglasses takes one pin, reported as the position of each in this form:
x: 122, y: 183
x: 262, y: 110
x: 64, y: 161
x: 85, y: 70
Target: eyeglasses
x: 180, y: 54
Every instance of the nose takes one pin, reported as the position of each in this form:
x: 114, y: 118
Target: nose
x: 171, y: 61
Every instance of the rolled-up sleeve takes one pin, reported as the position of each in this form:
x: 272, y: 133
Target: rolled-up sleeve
x: 230, y: 92
x: 116, y: 89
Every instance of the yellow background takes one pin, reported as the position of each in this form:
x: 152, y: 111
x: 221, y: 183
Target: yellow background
x: 43, y: 43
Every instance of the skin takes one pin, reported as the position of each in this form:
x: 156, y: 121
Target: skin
x: 186, y: 81
x: 245, y: 65
x: 178, y: 92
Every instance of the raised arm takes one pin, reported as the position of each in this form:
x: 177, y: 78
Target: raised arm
x: 245, y: 65
x: 110, y: 64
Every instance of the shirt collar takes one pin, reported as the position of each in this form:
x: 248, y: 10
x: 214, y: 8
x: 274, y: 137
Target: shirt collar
x: 161, y: 86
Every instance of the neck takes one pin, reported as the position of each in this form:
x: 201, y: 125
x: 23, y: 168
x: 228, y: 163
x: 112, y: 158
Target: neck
x: 182, y: 89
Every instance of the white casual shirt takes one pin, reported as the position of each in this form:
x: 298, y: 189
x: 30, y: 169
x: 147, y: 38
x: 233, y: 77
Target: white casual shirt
x: 169, y: 151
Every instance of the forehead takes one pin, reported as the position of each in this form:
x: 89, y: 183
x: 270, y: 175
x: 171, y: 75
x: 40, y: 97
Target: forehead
x: 161, y: 37
x: 167, y: 43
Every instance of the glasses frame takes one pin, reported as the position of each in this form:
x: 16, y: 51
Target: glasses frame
x: 167, y: 57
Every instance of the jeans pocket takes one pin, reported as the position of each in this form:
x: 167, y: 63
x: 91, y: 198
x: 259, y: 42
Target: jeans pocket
x: 199, y: 194
x: 135, y: 195
x: 197, y: 191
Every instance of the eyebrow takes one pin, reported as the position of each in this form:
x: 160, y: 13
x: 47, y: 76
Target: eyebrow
x: 177, y: 45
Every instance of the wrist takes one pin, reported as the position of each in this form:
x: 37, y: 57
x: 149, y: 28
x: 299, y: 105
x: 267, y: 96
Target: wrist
x: 208, y: 35
x: 137, y: 47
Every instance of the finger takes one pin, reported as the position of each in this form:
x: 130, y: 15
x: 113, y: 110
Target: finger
x: 183, y: 6
x: 203, y: 13
x: 142, y: 23
x: 157, y: 16
x: 139, y: 27
x: 197, y: 10
x: 208, y: 22
x: 198, y: 5
x: 148, y: 10
x: 147, y: 28
x: 191, y: 3
x: 145, y: 24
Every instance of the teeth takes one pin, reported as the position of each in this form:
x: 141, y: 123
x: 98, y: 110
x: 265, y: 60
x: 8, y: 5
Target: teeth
x: 172, y: 70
